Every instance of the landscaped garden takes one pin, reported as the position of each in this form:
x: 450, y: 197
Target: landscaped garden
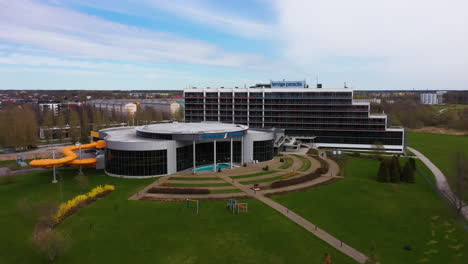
x: 116, y: 230
x: 388, y: 217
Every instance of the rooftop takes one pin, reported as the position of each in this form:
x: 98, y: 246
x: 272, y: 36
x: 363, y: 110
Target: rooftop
x: 192, y: 128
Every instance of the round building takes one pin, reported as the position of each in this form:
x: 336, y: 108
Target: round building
x: 161, y: 149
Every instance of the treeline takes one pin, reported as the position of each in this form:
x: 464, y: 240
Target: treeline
x: 412, y: 114
x: 18, y: 126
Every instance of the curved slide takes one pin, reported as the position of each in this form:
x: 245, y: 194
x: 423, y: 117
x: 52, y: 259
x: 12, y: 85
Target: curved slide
x: 70, y: 158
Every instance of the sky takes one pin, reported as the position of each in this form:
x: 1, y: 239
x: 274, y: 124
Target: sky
x: 175, y: 44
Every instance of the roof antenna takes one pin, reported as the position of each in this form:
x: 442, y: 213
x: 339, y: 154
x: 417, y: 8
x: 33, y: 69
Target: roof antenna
x: 345, y: 85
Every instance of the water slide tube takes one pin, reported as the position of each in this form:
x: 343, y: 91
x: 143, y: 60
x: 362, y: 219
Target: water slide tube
x: 70, y: 158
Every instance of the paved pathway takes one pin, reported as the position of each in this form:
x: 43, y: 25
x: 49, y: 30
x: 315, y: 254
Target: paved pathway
x: 441, y: 181
x: 336, y: 243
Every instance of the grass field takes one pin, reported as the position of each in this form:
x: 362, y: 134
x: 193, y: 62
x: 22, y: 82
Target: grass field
x: 305, y: 163
x: 439, y: 148
x: 116, y: 230
x: 364, y: 213
x: 254, y: 174
x: 288, y: 162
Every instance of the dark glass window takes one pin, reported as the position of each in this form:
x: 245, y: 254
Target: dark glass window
x: 136, y: 163
x: 184, y: 157
x: 263, y: 150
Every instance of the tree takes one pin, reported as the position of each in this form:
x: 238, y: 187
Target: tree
x: 327, y: 259
x: 179, y: 114
x: 74, y: 122
x: 48, y: 124
x: 407, y: 174
x: 97, y: 119
x: 460, y: 165
x: 61, y: 125
x: 84, y: 126
x: 158, y: 115
x: 395, y: 169
x: 384, y: 171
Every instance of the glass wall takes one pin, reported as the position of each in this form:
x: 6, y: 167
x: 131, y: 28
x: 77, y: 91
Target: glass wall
x: 136, y: 163
x: 263, y: 150
x: 184, y: 157
x: 204, y: 154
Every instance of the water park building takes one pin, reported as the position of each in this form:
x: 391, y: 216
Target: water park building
x: 161, y: 149
x: 322, y: 117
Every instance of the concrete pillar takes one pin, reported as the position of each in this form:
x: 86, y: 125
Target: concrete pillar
x: 231, y: 153
x: 242, y: 150
x: 214, y: 158
x: 194, y: 156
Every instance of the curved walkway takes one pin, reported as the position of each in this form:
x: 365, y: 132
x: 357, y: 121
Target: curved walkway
x: 441, y: 181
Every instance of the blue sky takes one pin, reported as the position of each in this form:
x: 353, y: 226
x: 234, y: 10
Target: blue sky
x: 157, y: 44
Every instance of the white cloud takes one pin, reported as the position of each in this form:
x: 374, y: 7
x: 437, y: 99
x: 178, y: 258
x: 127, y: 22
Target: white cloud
x: 424, y: 41
x: 69, y: 33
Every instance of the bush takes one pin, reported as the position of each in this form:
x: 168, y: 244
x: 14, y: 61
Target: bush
x: 6, y: 176
x: 281, y: 160
x: 265, y: 168
x: 50, y: 244
x: 308, y: 177
x: 245, y: 165
x: 178, y: 190
x: 69, y: 207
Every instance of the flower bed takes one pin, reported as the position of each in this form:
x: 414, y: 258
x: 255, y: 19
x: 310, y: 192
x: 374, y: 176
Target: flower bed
x: 71, y: 206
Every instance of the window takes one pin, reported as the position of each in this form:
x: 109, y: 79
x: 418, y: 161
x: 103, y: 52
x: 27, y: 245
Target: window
x: 136, y: 163
x: 263, y: 150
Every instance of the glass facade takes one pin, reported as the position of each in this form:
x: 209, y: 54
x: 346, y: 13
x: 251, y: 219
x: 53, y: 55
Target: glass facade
x: 204, y: 154
x: 136, y: 163
x: 263, y: 150
x: 331, y: 116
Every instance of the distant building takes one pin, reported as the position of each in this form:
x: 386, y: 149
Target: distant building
x: 368, y: 100
x: 167, y: 107
x: 432, y: 98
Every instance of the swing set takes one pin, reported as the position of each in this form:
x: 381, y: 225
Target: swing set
x: 236, y: 207
x: 195, y: 204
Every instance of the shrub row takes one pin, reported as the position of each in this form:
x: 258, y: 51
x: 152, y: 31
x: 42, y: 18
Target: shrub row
x: 293, y: 181
x: 178, y: 190
x: 69, y: 207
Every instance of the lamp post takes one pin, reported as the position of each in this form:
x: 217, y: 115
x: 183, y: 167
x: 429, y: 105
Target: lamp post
x: 81, y: 167
x: 53, y: 157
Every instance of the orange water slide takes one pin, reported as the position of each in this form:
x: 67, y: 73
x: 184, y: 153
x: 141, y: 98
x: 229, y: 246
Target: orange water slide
x: 70, y: 158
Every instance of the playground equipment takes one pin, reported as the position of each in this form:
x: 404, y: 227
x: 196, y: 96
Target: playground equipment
x: 70, y: 158
x: 236, y: 207
x: 196, y: 205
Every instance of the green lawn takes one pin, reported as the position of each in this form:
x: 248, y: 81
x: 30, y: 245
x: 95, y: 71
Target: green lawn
x: 263, y: 180
x: 305, y: 163
x: 254, y: 174
x: 116, y: 230
x: 12, y: 164
x: 363, y: 212
x: 288, y: 162
x: 439, y: 148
